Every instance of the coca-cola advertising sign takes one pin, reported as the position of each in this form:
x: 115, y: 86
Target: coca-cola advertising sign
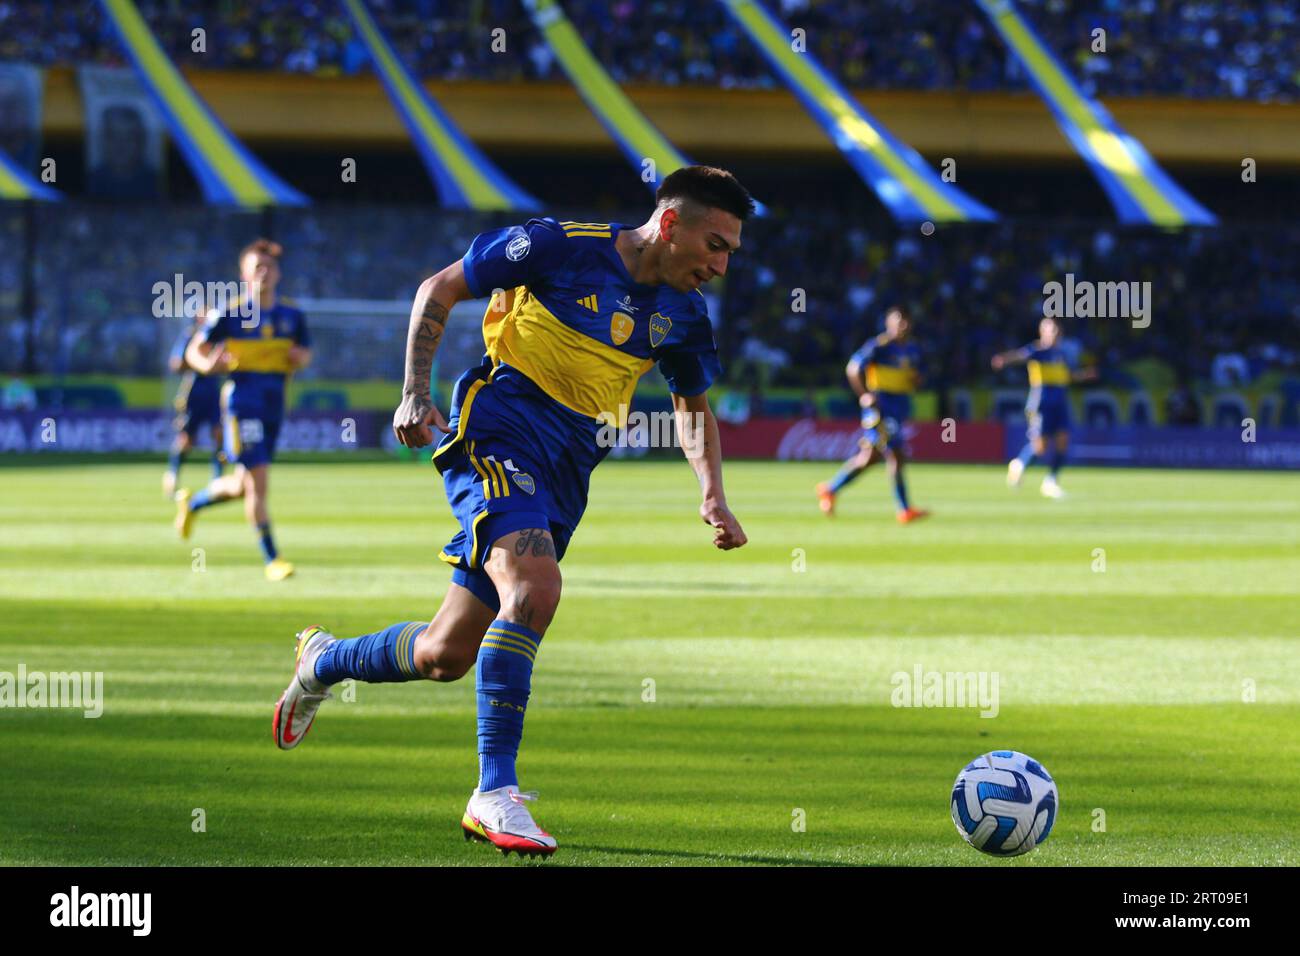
x: 820, y: 439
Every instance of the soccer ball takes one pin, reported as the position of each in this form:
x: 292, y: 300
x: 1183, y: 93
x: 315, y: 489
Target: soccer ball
x: 1004, y: 803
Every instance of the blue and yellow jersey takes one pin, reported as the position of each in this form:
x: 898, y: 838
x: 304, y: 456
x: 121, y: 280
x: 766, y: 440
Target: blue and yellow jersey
x: 566, y: 314
x: 196, y: 390
x: 1049, y: 373
x: 259, y: 349
x: 891, y: 371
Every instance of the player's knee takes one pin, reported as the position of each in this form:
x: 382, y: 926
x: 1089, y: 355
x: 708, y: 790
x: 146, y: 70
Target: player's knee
x: 533, y: 599
x: 441, y: 659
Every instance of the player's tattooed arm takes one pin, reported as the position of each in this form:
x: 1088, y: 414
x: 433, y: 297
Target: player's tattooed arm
x: 697, y: 429
x: 433, y: 301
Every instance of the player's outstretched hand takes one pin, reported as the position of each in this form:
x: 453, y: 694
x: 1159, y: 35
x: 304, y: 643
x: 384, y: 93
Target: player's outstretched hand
x: 412, y: 419
x: 727, y: 533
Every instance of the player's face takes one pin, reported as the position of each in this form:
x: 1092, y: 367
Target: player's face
x: 897, y: 325
x: 1049, y: 332
x: 699, y: 246
x: 259, y: 269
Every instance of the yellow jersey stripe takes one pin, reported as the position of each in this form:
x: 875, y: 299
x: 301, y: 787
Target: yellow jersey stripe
x: 1049, y: 373
x: 591, y: 377
x: 569, y: 224
x: 589, y: 234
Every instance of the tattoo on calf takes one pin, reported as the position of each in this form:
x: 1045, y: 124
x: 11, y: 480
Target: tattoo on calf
x: 536, y: 541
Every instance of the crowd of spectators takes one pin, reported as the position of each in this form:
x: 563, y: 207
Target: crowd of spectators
x: 1222, y: 309
x: 1226, y: 49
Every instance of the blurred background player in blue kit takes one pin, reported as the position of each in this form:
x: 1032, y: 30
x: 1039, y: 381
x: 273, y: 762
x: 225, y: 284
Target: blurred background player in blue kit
x: 1047, y: 411
x: 198, y: 405
x: 883, y: 374
x: 259, y: 353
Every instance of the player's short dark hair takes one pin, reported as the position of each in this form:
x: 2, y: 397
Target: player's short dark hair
x: 707, y: 186
x: 262, y: 246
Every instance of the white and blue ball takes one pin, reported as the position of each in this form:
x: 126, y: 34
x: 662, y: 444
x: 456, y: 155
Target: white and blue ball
x: 1004, y: 803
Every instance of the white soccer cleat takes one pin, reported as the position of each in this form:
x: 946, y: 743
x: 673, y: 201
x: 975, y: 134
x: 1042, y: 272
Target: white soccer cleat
x: 499, y: 817
x: 1015, y: 472
x: 297, y: 707
x: 1051, y: 489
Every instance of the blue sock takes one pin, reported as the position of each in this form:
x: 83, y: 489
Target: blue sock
x: 843, y: 477
x: 900, y: 491
x: 1055, y: 459
x: 202, y: 498
x: 268, y: 545
x: 174, y: 461
x: 385, y: 657
x: 1026, y: 456
x: 505, y: 670
x: 217, y: 463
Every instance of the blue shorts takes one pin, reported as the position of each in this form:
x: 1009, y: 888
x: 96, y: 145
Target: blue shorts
x: 250, y: 438
x: 516, y: 459
x: 882, y: 432
x: 198, y: 405
x: 191, y: 422
x: 1047, y: 420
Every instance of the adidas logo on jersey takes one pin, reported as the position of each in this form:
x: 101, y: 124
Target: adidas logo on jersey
x: 589, y: 302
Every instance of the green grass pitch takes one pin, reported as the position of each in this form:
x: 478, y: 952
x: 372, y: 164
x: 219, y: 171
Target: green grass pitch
x: 1162, y: 692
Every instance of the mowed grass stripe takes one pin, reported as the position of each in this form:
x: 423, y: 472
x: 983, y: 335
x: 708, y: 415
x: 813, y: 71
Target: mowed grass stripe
x: 771, y: 685
x: 814, y: 671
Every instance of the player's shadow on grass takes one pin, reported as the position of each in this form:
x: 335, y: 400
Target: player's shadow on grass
x: 727, y: 857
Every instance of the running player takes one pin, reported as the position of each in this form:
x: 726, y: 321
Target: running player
x: 259, y: 353
x: 579, y: 311
x: 198, y: 404
x: 1047, y: 411
x: 883, y: 374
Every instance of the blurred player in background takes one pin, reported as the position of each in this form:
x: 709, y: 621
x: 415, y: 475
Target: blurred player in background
x: 259, y: 353
x: 198, y: 405
x: 883, y: 374
x: 585, y: 310
x: 1048, y: 409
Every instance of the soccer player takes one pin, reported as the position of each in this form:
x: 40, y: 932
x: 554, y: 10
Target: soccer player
x: 883, y: 374
x: 260, y: 342
x: 198, y: 404
x: 579, y: 311
x: 1048, y: 409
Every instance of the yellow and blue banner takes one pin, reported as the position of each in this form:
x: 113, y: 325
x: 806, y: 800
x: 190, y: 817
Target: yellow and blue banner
x: 227, y: 172
x: 17, y: 183
x: 628, y: 126
x: 1140, y: 191
x: 464, y: 177
x: 910, y: 190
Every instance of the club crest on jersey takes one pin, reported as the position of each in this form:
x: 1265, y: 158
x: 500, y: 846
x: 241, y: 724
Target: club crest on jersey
x: 620, y: 327
x: 660, y: 325
x: 267, y: 330
x: 524, y: 481
x: 518, y: 247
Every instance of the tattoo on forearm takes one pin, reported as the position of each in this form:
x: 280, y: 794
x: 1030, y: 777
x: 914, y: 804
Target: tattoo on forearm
x: 536, y: 541
x: 423, y: 338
